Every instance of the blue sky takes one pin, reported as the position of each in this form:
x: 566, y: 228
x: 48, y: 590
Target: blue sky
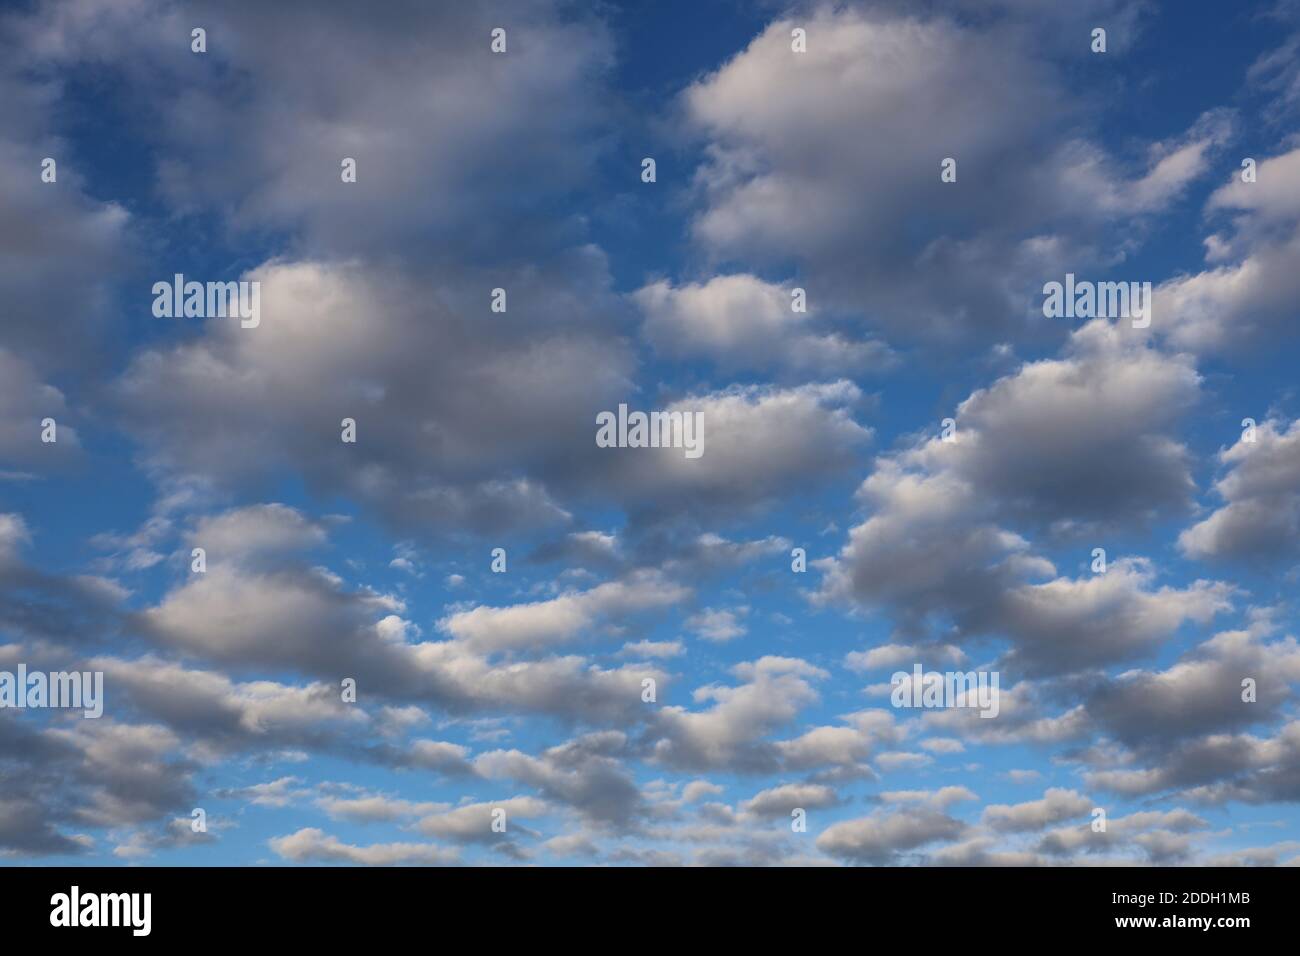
x: 1120, y: 690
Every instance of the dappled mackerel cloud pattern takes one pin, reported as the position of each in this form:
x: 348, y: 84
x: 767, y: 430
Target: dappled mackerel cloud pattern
x: 509, y: 433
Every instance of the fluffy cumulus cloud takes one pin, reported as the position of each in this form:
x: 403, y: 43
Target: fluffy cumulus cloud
x: 730, y: 733
x: 1245, y: 295
x: 1260, y: 514
x: 509, y: 123
x: 1085, y: 438
x: 310, y: 622
x: 1051, y: 447
x: 888, y: 837
x: 66, y: 250
x: 1056, y: 805
x: 788, y: 162
x: 272, y: 395
x: 742, y: 321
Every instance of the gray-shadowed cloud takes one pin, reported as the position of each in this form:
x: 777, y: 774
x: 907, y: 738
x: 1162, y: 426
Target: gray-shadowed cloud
x: 1260, y: 518
x: 787, y: 163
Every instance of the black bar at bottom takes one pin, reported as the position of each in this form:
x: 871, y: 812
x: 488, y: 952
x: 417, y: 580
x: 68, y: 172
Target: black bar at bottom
x: 664, y: 908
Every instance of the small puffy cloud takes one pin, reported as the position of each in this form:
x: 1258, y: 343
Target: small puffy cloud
x: 256, y: 530
x: 781, y: 800
x: 740, y: 321
x: 718, y: 624
x: 559, y: 620
x: 729, y: 735
x: 311, y: 845
x: 885, y: 837
x: 472, y: 823
x: 656, y: 649
x: 1056, y: 805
